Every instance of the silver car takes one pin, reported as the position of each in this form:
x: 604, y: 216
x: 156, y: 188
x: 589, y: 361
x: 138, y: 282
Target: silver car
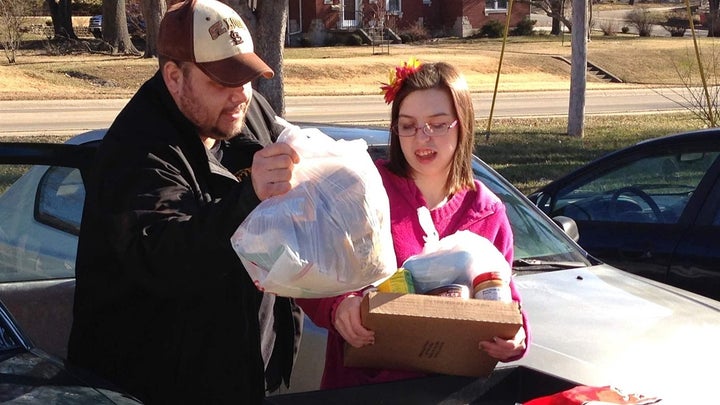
x: 591, y: 324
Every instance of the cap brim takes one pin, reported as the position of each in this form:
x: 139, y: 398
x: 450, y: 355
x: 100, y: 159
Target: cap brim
x: 237, y: 70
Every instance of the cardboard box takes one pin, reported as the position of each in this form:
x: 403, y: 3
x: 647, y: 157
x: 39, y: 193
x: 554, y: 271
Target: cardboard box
x: 432, y: 334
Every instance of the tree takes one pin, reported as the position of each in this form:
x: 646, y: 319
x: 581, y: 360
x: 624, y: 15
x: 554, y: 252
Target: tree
x: 714, y: 18
x: 114, y: 30
x: 152, y: 11
x: 270, y: 48
x: 578, y: 74
x: 556, y: 10
x: 61, y: 15
x: 269, y: 41
x: 12, y: 18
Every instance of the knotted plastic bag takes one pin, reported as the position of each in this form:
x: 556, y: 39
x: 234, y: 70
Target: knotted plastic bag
x: 454, y: 259
x: 330, y: 233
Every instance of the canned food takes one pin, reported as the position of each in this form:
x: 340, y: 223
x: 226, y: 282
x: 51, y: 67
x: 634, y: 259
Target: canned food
x: 491, y: 286
x: 451, y: 290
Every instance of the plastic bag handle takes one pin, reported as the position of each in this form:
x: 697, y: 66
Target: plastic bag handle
x: 431, y: 234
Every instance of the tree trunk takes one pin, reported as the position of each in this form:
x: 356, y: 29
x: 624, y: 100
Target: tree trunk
x: 269, y: 41
x: 152, y: 11
x: 61, y: 15
x: 114, y: 28
x: 713, y: 19
x: 270, y: 47
x: 555, y: 29
x: 578, y: 69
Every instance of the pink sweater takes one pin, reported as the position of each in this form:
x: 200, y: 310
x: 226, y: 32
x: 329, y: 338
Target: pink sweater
x: 478, y: 211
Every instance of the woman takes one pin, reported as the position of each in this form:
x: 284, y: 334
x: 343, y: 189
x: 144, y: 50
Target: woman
x: 431, y: 143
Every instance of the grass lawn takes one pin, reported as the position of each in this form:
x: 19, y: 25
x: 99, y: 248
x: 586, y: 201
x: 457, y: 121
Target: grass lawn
x: 532, y: 152
x: 529, y: 152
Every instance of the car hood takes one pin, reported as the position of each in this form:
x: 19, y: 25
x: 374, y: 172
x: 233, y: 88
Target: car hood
x: 601, y: 326
x: 31, y: 378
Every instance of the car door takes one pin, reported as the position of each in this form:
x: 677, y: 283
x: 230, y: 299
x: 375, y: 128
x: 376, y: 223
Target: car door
x: 633, y: 210
x: 695, y: 266
x: 41, y: 199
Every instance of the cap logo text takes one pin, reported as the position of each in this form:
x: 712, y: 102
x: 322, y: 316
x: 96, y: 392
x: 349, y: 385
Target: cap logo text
x: 231, y: 26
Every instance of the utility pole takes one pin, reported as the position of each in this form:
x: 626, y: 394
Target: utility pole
x: 578, y: 69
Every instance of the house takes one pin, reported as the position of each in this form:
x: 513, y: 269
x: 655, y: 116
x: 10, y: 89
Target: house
x: 461, y: 18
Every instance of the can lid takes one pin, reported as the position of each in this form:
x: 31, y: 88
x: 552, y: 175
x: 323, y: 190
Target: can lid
x: 490, y: 275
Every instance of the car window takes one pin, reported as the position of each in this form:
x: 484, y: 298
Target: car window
x: 40, y: 209
x: 653, y: 189
x: 60, y: 199
x: 534, y: 238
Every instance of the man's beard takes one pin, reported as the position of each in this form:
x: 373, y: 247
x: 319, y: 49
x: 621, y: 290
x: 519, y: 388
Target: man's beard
x: 199, y: 116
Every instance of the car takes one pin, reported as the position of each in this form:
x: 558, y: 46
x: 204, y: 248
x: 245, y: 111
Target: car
x: 652, y: 209
x: 95, y: 26
x: 591, y: 323
x: 136, y: 26
x: 31, y: 376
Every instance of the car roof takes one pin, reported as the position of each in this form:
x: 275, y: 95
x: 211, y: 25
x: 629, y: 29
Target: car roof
x: 702, y: 137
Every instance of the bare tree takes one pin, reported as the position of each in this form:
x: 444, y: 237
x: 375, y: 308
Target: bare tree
x: 713, y: 18
x: 271, y: 32
x: 12, y: 19
x: 700, y: 76
x: 556, y: 10
x: 152, y: 11
x: 61, y: 14
x: 114, y: 30
x: 269, y: 41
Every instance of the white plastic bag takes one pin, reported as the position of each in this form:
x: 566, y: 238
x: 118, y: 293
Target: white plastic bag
x: 329, y: 234
x: 454, y: 259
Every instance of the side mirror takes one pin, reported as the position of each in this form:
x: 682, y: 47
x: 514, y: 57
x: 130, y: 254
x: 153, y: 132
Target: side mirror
x: 568, y: 226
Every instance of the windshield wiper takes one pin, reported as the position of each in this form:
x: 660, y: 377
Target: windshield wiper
x: 537, y: 264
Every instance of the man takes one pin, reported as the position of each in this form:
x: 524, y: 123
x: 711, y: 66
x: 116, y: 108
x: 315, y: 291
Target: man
x: 163, y: 306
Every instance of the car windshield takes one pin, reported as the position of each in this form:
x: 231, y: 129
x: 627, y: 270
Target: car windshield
x: 540, y: 245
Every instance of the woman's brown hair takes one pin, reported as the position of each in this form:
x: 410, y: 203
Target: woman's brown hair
x: 445, y: 77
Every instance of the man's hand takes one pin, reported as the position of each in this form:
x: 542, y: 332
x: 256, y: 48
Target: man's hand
x: 272, y: 169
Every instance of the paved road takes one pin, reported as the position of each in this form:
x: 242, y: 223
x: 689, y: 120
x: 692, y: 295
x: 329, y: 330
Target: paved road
x: 69, y: 116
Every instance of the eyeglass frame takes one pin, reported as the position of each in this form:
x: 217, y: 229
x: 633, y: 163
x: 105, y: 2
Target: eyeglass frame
x: 425, y: 128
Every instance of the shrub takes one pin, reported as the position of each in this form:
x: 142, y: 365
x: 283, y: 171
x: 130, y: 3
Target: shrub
x: 414, y: 33
x: 353, y: 40
x: 86, y: 7
x: 676, y: 22
x: 608, y: 27
x: 643, y: 19
x: 524, y: 27
x: 492, y: 29
x: 625, y: 29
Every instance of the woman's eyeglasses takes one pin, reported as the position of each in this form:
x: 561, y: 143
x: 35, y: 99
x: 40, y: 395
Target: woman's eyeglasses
x: 438, y: 129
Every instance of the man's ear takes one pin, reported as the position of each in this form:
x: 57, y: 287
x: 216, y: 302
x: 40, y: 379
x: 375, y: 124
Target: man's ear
x: 173, y: 76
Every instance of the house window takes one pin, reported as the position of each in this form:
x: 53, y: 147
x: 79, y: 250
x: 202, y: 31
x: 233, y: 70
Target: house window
x: 496, y: 5
x: 393, y: 6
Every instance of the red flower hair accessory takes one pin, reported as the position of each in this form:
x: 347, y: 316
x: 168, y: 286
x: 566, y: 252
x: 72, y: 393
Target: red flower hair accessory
x: 397, y: 77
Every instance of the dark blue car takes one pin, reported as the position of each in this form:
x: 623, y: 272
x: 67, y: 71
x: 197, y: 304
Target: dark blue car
x: 652, y: 209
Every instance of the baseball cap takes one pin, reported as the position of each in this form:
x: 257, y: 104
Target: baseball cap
x: 214, y: 37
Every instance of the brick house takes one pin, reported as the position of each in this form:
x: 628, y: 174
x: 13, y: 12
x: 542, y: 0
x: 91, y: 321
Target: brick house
x: 439, y: 17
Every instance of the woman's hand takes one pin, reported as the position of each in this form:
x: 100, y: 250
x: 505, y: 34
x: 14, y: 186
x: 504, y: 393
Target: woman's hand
x: 505, y: 349
x: 347, y: 322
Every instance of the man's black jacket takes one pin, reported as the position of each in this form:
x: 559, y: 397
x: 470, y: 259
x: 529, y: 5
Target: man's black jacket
x: 163, y: 306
